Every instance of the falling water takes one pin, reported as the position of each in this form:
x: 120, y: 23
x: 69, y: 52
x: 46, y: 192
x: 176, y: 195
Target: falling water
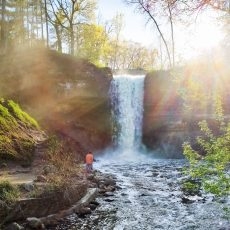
x: 127, y: 92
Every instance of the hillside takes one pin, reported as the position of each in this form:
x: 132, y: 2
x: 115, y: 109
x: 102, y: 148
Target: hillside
x: 19, y: 133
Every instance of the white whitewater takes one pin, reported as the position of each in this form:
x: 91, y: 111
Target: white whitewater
x: 127, y: 95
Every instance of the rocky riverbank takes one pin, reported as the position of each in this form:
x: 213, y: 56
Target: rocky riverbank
x: 56, y: 209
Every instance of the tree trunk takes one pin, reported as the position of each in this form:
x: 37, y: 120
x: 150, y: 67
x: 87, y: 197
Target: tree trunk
x: 3, y: 27
x: 172, y: 35
x: 47, y: 26
x: 59, y: 41
x: 71, y: 39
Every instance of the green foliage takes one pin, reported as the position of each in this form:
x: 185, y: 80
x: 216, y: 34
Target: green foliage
x: 95, y: 45
x: 8, y: 192
x: 213, y: 167
x: 227, y: 213
x: 191, y: 187
x: 21, y: 115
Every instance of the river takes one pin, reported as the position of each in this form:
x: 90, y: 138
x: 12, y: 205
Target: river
x: 149, y: 194
x: 149, y: 197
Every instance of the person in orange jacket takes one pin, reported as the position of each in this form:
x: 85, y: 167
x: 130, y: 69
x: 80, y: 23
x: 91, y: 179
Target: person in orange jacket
x: 89, y: 162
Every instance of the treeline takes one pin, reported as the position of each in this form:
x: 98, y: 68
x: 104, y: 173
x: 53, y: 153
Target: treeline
x: 70, y: 27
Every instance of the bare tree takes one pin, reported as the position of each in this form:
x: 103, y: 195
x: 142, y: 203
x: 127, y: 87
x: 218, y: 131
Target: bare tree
x: 149, y: 8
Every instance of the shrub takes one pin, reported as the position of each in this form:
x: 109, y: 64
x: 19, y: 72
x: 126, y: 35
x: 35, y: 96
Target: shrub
x: 64, y: 161
x: 213, y: 167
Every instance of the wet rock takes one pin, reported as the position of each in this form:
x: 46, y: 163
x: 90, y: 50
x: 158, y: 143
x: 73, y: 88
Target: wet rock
x: 110, y: 188
x: 124, y: 194
x: 14, y: 226
x: 109, y: 181
x: 102, y: 191
x: 191, y: 199
x: 128, y: 202
x: 155, y: 174
x: 107, y: 194
x: 144, y: 194
x: 92, y: 206
x: 94, y: 202
x: 34, y: 223
x: 118, y: 187
x: 83, y: 211
x: 109, y: 200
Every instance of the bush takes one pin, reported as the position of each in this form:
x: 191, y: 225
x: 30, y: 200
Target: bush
x: 64, y: 160
x: 212, y: 168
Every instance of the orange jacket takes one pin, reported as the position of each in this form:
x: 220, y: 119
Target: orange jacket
x: 89, y: 158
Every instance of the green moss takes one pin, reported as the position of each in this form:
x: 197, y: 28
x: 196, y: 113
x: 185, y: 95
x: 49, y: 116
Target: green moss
x: 15, y: 109
x: 16, y: 140
x: 6, y: 119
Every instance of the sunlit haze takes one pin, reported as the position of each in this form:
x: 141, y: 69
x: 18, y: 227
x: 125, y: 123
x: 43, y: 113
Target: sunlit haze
x: 201, y: 36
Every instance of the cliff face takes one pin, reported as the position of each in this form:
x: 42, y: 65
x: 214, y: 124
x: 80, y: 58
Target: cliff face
x: 68, y: 96
x: 163, y: 127
x: 175, y: 104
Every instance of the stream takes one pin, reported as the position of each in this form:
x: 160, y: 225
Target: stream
x: 149, y: 197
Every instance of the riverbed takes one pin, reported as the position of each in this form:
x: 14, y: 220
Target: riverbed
x: 149, y: 196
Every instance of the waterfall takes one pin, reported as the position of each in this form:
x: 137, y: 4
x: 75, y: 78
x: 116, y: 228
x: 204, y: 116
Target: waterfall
x: 127, y: 92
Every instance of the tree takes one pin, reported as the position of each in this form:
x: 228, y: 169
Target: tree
x: 21, y: 22
x: 3, y: 24
x: 151, y: 8
x: 68, y: 14
x: 94, y: 44
x: 132, y: 55
x: 223, y: 5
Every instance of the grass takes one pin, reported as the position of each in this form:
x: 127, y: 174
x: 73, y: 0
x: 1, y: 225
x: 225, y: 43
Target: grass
x: 8, y: 192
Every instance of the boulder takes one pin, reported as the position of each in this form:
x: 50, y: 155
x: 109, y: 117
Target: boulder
x: 34, y: 223
x: 28, y: 187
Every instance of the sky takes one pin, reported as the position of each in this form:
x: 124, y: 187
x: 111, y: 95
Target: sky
x: 191, y: 41
x: 134, y: 23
